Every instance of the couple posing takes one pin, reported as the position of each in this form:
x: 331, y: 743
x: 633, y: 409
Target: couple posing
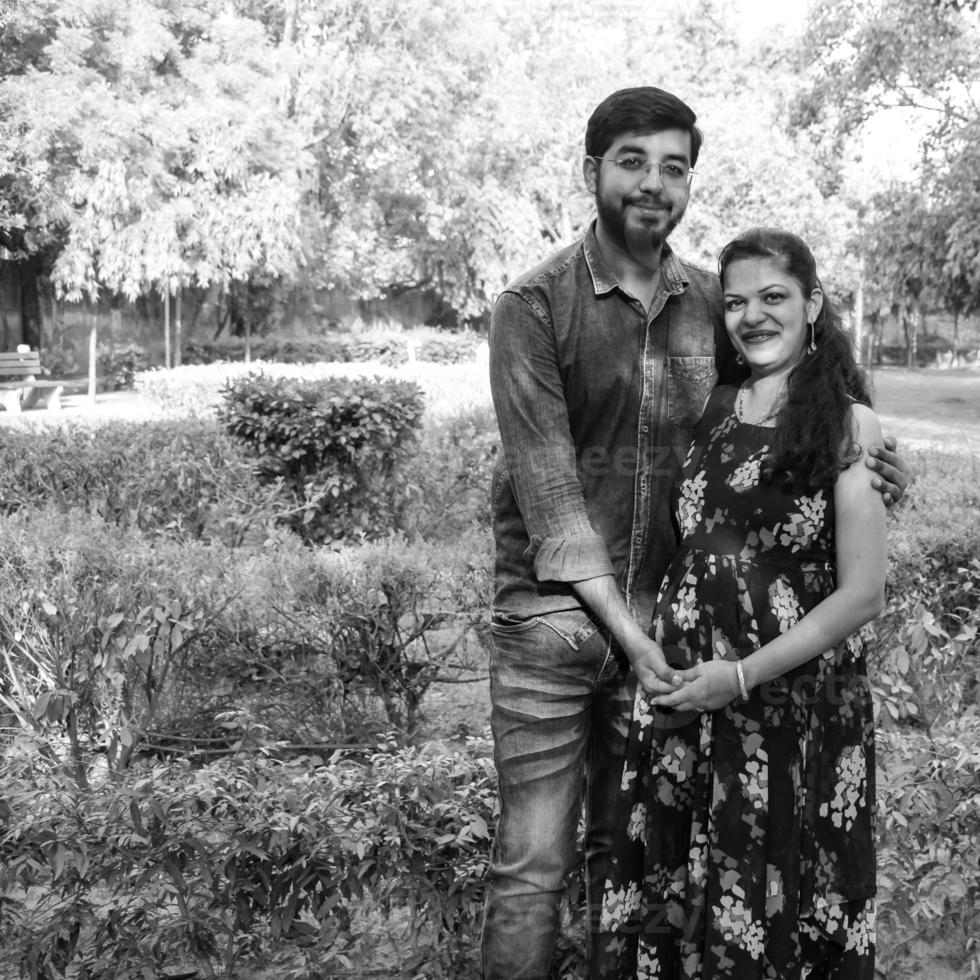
x: 681, y: 566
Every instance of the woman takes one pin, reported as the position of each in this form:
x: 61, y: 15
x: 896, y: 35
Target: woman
x: 746, y: 846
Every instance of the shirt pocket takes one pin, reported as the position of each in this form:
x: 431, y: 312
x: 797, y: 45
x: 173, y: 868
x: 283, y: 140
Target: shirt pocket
x: 689, y: 382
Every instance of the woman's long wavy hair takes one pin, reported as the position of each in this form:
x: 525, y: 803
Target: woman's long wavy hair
x: 813, y: 441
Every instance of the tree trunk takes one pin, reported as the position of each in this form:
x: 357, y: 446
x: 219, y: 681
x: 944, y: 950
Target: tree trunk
x: 288, y: 41
x: 5, y: 343
x: 166, y: 329
x: 93, y: 354
x: 859, y: 318
x: 912, y: 339
x: 873, y: 339
x: 221, y: 314
x: 31, y: 318
x: 178, y: 329
x: 248, y: 324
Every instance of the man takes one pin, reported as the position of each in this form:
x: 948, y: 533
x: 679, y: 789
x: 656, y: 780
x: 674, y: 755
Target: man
x: 601, y: 359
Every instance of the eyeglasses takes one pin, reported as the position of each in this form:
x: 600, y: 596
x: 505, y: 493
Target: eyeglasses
x: 671, y: 174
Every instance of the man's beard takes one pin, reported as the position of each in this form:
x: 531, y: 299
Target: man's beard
x: 637, y: 242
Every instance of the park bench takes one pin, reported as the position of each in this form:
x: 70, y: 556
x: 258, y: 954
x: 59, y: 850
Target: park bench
x: 30, y: 390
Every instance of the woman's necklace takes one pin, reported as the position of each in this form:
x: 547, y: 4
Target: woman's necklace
x: 740, y: 407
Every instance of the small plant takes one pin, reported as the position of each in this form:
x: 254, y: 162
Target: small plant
x: 394, y: 618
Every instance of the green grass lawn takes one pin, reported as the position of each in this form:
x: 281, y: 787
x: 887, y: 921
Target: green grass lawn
x: 930, y: 405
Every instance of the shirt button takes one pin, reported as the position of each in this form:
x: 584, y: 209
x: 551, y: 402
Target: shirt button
x: 644, y: 428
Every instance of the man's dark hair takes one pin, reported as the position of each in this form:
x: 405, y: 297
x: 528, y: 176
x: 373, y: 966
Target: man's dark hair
x: 640, y: 110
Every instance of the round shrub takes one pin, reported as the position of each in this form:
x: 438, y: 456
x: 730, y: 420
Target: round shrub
x: 335, y: 447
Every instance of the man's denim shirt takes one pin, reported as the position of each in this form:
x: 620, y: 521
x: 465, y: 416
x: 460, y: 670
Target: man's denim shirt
x: 596, y: 400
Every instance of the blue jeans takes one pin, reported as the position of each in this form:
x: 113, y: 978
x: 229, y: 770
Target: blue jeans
x: 561, y: 701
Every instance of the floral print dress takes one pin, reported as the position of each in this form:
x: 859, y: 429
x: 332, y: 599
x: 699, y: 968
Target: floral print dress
x: 745, y: 848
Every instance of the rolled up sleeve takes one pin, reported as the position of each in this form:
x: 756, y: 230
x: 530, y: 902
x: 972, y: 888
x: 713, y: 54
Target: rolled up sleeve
x: 539, y: 452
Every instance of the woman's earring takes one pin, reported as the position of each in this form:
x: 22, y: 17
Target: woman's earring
x: 739, y: 360
x: 811, y: 348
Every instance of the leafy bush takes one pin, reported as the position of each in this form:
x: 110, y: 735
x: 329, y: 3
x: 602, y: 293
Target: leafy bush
x: 126, y: 643
x: 199, y: 869
x: 105, y: 634
x: 185, y: 478
x: 280, y: 350
x: 929, y: 848
x: 930, y: 351
x: 334, y: 446
x: 189, y: 392
x: 449, y: 475
x: 926, y: 679
x: 118, y: 365
x: 59, y: 359
x: 392, y: 349
x: 394, y: 618
x: 926, y: 649
x: 450, y: 349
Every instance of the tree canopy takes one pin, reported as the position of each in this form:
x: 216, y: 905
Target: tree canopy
x: 145, y: 143
x: 918, y: 60
x: 437, y: 144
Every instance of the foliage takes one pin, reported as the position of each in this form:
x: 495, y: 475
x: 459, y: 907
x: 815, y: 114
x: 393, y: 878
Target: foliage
x: 118, y: 365
x: 334, y: 446
x: 61, y: 360
x: 394, y: 618
x: 189, y: 391
x: 930, y: 350
x: 235, y: 641
x: 392, y: 349
x: 184, y: 478
x: 201, y: 868
x: 929, y: 838
x: 450, y: 476
x: 369, y: 148
x: 280, y: 350
x: 101, y: 631
x: 917, y: 61
x: 128, y: 644
x: 146, y: 144
x: 928, y: 670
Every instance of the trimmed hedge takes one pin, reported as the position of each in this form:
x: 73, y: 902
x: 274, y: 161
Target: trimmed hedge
x: 390, y: 349
x: 335, y: 446
x: 184, y: 478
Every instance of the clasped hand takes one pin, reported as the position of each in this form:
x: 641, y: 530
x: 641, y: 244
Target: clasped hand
x: 704, y: 687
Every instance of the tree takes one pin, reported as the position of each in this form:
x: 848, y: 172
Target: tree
x: 406, y: 144
x: 920, y: 58
x: 143, y: 142
x: 903, y: 239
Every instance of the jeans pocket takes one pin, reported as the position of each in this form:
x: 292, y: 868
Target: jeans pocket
x: 574, y: 629
x: 689, y: 382
x: 505, y: 624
